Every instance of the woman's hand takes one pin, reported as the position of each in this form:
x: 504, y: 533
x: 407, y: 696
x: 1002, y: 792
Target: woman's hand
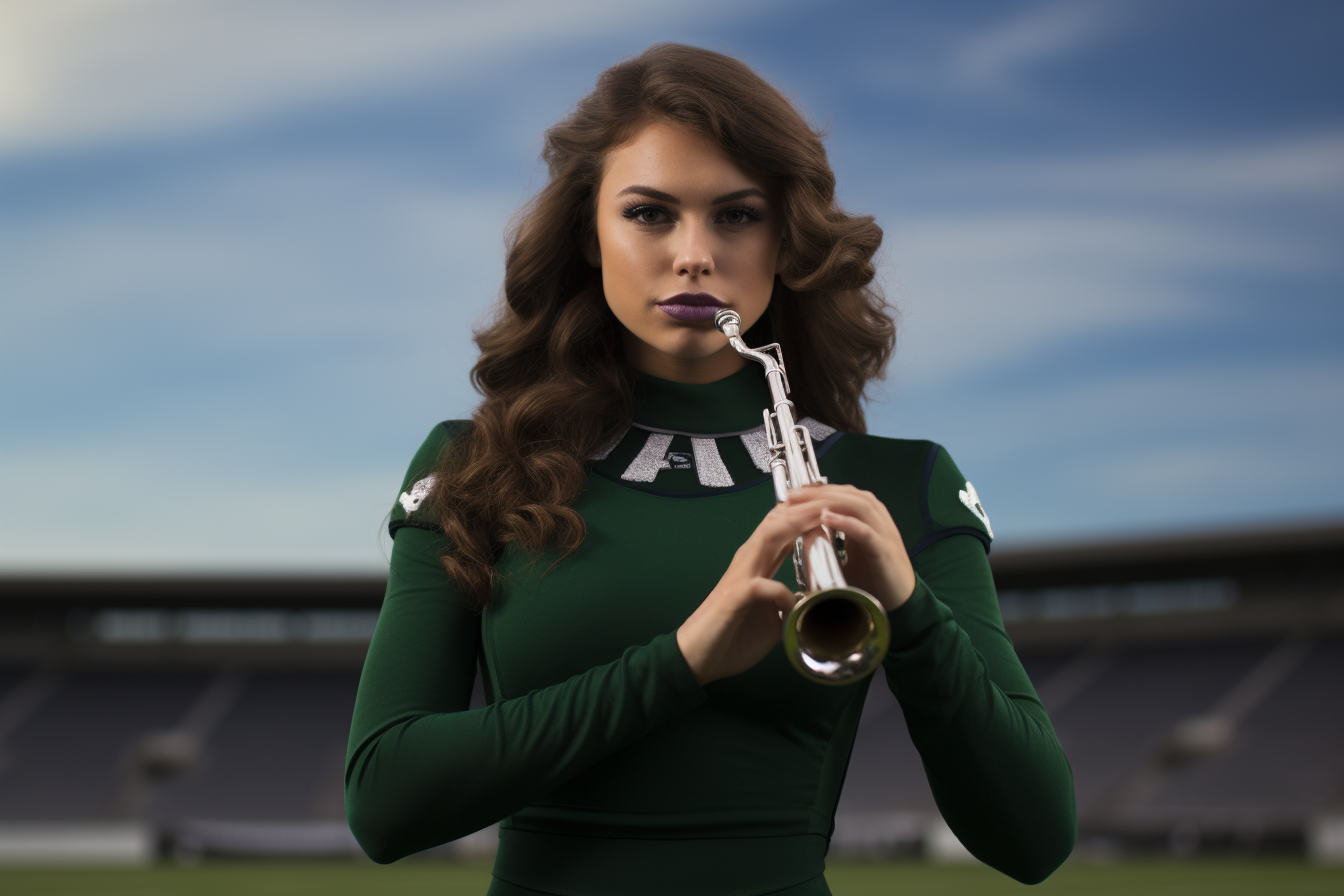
x: 878, y: 562
x: 739, y: 622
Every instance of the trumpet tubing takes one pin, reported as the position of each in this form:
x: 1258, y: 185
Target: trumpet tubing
x: 836, y: 633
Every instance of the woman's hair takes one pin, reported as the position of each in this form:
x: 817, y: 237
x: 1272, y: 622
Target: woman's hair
x: 552, y: 370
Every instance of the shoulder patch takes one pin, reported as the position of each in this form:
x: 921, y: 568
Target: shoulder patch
x: 949, y: 502
x: 410, y: 500
x: 972, y: 502
x: 420, y: 478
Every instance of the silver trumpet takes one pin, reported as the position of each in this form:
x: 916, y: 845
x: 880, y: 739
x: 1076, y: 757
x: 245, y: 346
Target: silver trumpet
x: 836, y: 633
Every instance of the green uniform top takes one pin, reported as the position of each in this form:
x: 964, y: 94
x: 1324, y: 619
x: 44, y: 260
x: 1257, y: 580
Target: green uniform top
x: 612, y: 770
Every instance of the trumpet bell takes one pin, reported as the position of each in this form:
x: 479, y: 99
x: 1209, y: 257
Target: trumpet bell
x: 836, y: 635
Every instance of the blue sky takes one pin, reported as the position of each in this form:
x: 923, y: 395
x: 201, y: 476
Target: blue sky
x: 242, y: 246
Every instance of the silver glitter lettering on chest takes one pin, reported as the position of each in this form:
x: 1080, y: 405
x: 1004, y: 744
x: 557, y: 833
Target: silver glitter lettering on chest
x: 651, y: 459
x: 602, y: 452
x: 759, y: 450
x: 820, y: 431
x: 755, y: 444
x: 709, y: 465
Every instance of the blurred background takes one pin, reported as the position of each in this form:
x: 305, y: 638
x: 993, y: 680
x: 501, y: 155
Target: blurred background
x: 243, y: 246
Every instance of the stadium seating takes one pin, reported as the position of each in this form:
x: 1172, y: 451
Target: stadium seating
x: 1200, y: 714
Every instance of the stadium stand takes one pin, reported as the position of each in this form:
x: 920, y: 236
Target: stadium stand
x: 1194, y: 682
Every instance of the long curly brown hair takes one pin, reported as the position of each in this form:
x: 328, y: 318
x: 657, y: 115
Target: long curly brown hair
x: 551, y: 369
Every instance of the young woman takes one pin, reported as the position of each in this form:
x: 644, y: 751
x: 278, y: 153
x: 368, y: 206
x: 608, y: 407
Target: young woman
x: 601, y: 539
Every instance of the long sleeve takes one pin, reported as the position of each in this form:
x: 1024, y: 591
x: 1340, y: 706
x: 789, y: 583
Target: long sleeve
x: 991, y: 755
x: 607, y: 759
x: 423, y: 769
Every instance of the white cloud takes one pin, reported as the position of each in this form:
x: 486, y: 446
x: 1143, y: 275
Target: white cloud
x: 982, y: 289
x: 1218, y: 401
x: 1309, y: 166
x: 1204, y: 474
x: 994, y: 60
x: 1210, y: 444
x: 91, y: 71
x: 995, y: 57
x: 1231, y: 399
x: 1002, y: 261
x: 278, y: 251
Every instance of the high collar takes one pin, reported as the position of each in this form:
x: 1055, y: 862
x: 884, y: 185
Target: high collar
x: 732, y: 404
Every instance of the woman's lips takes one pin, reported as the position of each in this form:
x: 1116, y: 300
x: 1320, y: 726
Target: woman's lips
x: 692, y: 307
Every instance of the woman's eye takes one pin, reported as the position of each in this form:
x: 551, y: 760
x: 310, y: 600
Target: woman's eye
x: 646, y: 214
x: 739, y: 216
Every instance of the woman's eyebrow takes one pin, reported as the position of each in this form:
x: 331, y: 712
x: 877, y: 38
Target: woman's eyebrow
x: 669, y: 198
x: 740, y: 194
x: 651, y: 193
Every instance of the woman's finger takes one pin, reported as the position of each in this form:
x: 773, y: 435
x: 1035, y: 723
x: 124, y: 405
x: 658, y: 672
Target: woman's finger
x: 846, y: 499
x: 773, y: 539
x: 855, y: 529
x: 823, y: 492
x: 883, y: 569
x: 775, y: 592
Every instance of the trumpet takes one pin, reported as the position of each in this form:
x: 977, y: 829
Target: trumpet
x: 835, y: 633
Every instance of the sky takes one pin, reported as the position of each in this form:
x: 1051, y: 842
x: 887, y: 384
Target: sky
x: 243, y: 245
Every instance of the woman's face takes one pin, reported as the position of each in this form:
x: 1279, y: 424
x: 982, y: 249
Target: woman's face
x: 682, y: 231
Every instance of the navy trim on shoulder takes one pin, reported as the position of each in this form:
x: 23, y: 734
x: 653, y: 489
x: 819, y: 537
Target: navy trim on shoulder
x: 393, y: 526
x: 944, y: 533
x: 924, y: 487
x: 827, y: 443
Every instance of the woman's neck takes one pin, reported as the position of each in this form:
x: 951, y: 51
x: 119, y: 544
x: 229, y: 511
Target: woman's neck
x: 728, y: 405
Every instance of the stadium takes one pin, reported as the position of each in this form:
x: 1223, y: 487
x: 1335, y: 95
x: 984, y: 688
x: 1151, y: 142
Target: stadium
x: 1194, y: 683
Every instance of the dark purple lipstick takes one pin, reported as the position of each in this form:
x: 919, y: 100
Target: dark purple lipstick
x: 695, y: 307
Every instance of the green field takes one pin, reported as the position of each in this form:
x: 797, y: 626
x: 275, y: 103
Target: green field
x: 1187, y: 878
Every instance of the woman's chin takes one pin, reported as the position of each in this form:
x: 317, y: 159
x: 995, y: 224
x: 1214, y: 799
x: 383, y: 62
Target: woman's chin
x: 701, y: 348
x: 698, y: 363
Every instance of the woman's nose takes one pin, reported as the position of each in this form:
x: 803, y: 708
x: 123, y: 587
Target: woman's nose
x: 695, y: 257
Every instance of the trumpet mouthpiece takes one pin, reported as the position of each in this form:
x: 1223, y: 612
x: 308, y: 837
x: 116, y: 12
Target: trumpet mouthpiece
x: 725, y: 318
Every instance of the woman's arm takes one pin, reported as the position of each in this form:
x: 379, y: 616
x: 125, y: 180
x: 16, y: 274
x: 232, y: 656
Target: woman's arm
x: 422, y: 769
x: 991, y: 755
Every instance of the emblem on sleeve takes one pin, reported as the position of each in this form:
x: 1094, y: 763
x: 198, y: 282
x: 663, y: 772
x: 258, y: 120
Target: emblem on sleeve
x: 972, y: 502
x: 410, y: 501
